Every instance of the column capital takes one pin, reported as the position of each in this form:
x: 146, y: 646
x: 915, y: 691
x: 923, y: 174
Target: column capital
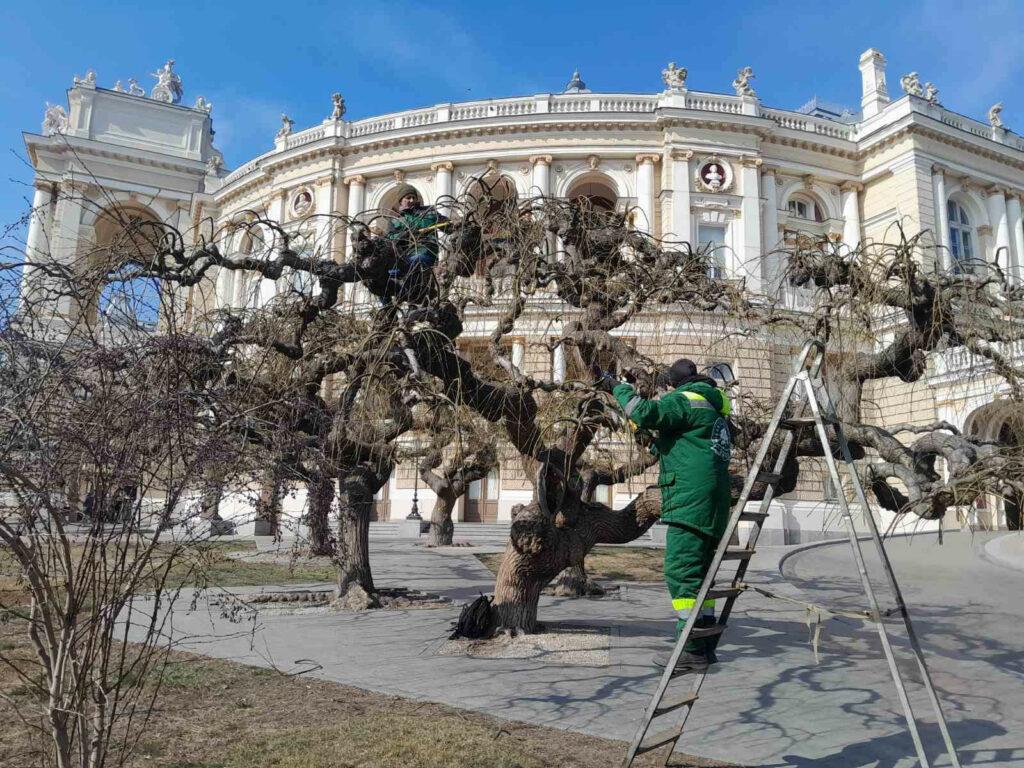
x: 939, y: 168
x: 996, y: 189
x: 748, y: 161
x: 357, y: 179
x: 648, y: 158
x: 324, y: 181
x: 43, y: 186
x: 447, y: 165
x: 545, y: 159
x: 851, y: 186
x: 682, y: 154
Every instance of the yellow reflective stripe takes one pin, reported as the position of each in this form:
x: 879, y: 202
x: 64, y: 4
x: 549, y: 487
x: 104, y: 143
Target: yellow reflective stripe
x: 687, y: 603
x: 697, y: 401
x: 726, y: 405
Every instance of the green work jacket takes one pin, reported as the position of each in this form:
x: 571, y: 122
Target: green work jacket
x: 693, y: 447
x: 413, y: 228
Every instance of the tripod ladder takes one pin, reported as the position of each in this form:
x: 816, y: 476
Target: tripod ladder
x: 806, y: 384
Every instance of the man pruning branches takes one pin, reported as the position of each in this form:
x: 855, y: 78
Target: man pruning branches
x: 691, y: 439
x: 414, y: 234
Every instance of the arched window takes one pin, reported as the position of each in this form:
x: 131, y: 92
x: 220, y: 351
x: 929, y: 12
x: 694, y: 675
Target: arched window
x: 961, y: 238
x: 599, y: 194
x: 804, y: 208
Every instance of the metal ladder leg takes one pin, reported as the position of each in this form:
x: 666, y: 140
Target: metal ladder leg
x: 890, y: 576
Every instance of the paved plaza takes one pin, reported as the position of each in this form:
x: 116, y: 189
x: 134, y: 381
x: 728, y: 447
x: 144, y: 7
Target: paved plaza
x: 768, y: 704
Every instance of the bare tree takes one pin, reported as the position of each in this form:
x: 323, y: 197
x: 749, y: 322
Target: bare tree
x: 107, y: 447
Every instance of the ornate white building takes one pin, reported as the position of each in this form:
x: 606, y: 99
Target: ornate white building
x: 695, y: 166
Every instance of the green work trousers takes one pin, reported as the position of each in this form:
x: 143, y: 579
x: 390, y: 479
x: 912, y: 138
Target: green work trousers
x: 688, y: 556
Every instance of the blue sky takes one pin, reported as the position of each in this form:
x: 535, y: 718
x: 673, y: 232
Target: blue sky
x: 255, y: 59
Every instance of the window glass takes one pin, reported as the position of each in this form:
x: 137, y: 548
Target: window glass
x: 798, y: 208
x: 712, y: 239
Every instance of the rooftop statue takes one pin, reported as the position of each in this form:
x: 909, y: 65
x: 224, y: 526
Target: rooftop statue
x: 911, y: 84
x: 931, y: 93
x: 286, y: 126
x: 168, y: 87
x: 89, y: 79
x: 134, y: 89
x: 55, y: 119
x: 993, y: 115
x: 203, y: 105
x: 339, y: 106
x: 742, y: 82
x: 674, y: 77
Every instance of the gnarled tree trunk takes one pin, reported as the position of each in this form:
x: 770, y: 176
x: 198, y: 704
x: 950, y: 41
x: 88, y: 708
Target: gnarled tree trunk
x: 442, y: 529
x: 541, y: 545
x: 321, y: 494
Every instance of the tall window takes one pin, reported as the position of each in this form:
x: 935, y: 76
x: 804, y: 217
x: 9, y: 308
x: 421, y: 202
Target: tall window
x: 712, y: 241
x: 961, y: 238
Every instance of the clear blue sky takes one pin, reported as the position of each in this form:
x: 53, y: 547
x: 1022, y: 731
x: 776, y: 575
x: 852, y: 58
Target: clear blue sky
x: 255, y: 59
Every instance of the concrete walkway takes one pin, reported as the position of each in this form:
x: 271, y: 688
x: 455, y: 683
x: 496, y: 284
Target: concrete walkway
x: 768, y: 704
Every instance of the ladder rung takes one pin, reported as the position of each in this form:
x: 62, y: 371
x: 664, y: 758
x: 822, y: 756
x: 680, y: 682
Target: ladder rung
x: 685, y: 701
x: 698, y: 632
x: 660, y: 740
x: 738, y: 553
x: 803, y: 421
x: 724, y: 593
x: 768, y: 477
x: 756, y: 516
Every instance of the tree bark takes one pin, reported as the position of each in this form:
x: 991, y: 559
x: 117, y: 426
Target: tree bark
x: 268, y: 506
x: 321, y: 494
x: 540, y: 548
x: 352, y: 554
x: 574, y: 582
x: 442, y: 529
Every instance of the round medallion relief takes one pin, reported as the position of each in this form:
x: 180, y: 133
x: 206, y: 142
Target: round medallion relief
x: 714, y: 175
x: 302, y: 202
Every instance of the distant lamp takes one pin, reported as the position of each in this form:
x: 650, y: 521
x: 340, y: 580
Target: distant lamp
x: 722, y: 374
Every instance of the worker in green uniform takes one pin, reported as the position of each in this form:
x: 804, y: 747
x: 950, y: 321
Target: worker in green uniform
x: 414, y: 233
x: 691, y: 439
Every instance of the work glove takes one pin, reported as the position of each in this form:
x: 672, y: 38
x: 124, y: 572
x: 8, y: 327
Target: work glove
x: 604, y: 381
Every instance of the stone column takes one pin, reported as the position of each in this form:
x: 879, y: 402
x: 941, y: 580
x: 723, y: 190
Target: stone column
x: 850, y: 201
x: 558, y: 365
x: 941, y: 215
x: 356, y: 201
x: 645, y: 192
x: 541, y: 174
x: 37, y: 245
x: 518, y: 353
x: 770, y: 227
x: 681, y: 226
x: 751, y: 253
x: 443, y: 185
x: 1013, y: 211
x: 1000, y: 228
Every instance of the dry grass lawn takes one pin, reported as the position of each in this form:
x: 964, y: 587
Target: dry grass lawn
x: 217, y: 714
x: 611, y: 563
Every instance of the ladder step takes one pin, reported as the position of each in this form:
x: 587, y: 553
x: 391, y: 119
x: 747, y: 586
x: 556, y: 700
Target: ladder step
x: 698, y: 632
x: 685, y: 701
x: 738, y: 553
x: 797, y: 422
x: 659, y: 740
x: 753, y: 516
x: 768, y: 477
x: 724, y: 593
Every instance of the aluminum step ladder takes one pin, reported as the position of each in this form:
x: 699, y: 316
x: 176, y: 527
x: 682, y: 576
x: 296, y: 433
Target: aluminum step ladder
x: 807, y: 385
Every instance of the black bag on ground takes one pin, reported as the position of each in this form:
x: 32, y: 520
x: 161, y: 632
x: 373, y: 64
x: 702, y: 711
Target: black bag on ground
x: 474, y: 620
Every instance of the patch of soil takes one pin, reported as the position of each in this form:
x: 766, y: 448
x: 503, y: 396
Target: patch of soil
x: 388, y: 598
x: 580, y: 646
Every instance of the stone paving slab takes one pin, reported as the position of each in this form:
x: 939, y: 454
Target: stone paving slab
x: 768, y: 704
